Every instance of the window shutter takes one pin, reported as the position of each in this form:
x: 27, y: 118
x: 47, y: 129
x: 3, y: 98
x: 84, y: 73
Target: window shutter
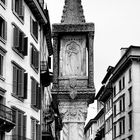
x: 32, y: 56
x: 21, y: 42
x: 31, y: 25
x: 38, y: 131
x: 21, y: 9
x: 25, y: 53
x: 13, y: 5
x: 16, y: 37
x: 5, y: 30
x: 36, y: 59
x: 35, y: 29
x: 33, y: 100
x: 33, y: 128
x: 20, y: 83
x: 25, y: 85
x: 24, y: 126
x: 38, y: 97
x: 20, y: 124
x: 15, y: 120
x: 14, y: 79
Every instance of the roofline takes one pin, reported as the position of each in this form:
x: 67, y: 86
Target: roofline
x: 90, y: 122
x: 36, y: 4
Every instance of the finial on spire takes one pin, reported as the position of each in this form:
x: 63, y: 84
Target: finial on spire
x: 73, y: 12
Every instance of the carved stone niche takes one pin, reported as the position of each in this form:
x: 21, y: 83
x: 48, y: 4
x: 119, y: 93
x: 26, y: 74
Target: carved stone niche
x: 73, y: 56
x: 73, y: 111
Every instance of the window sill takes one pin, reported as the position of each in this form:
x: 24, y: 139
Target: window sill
x: 16, y: 96
x: 2, y: 40
x: 36, y: 40
x: 21, y: 20
x: 3, y: 5
x: 34, y: 68
x: 2, y: 78
x: 33, y: 107
x: 20, y: 54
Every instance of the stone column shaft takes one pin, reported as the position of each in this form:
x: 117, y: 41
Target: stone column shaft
x: 55, y: 60
x: 90, y: 60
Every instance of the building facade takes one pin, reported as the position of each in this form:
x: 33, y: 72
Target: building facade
x: 90, y: 129
x: 119, y: 95
x: 22, y: 38
x: 125, y: 82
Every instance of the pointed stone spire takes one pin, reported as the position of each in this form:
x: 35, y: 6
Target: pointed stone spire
x: 73, y: 12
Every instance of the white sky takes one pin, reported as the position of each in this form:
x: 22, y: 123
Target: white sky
x: 117, y: 25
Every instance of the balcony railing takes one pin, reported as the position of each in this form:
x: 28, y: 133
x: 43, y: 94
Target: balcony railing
x: 6, y: 113
x: 16, y: 137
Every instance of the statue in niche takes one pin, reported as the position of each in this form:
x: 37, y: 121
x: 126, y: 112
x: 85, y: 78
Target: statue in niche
x: 73, y: 59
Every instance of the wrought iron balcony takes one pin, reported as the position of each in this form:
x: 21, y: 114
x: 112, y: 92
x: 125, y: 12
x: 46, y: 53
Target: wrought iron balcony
x: 7, y: 121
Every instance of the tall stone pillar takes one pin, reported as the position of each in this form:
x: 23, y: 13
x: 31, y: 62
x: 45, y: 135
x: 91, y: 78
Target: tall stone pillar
x: 55, y: 60
x: 73, y: 80
x: 90, y: 58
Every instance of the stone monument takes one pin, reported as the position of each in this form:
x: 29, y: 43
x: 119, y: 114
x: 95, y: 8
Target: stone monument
x: 73, y: 76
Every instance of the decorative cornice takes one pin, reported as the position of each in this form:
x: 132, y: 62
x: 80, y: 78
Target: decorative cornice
x: 63, y: 28
x: 73, y: 12
x: 37, y: 10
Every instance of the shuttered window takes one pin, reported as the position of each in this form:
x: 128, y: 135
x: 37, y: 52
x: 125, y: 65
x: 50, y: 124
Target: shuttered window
x: 1, y: 65
x: 34, y: 28
x: 35, y: 129
x: 36, y: 95
x: 3, y: 29
x: 19, y: 131
x: 20, y: 41
x: 18, y: 8
x: 34, y: 58
x: 19, y: 82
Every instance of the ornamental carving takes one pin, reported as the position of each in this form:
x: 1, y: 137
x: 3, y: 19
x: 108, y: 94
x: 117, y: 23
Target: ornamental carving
x: 73, y: 56
x: 73, y: 113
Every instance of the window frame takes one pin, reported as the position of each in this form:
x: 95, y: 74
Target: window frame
x: 120, y: 103
x: 19, y: 131
x: 19, y: 38
x: 34, y: 58
x: 34, y: 28
x: 35, y: 135
x: 3, y: 30
x: 130, y: 75
x: 20, y: 13
x: 1, y: 64
x: 20, y: 82
x: 130, y: 96
x: 35, y: 94
x: 130, y: 120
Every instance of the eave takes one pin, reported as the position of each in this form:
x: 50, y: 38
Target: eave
x: 99, y: 114
x: 100, y: 92
x: 37, y: 11
x: 89, y: 124
x: 118, y: 70
x: 108, y: 90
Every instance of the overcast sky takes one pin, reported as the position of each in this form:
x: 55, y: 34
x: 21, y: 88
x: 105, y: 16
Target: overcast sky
x: 117, y: 25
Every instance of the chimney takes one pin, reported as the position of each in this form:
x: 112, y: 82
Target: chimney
x: 123, y: 50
